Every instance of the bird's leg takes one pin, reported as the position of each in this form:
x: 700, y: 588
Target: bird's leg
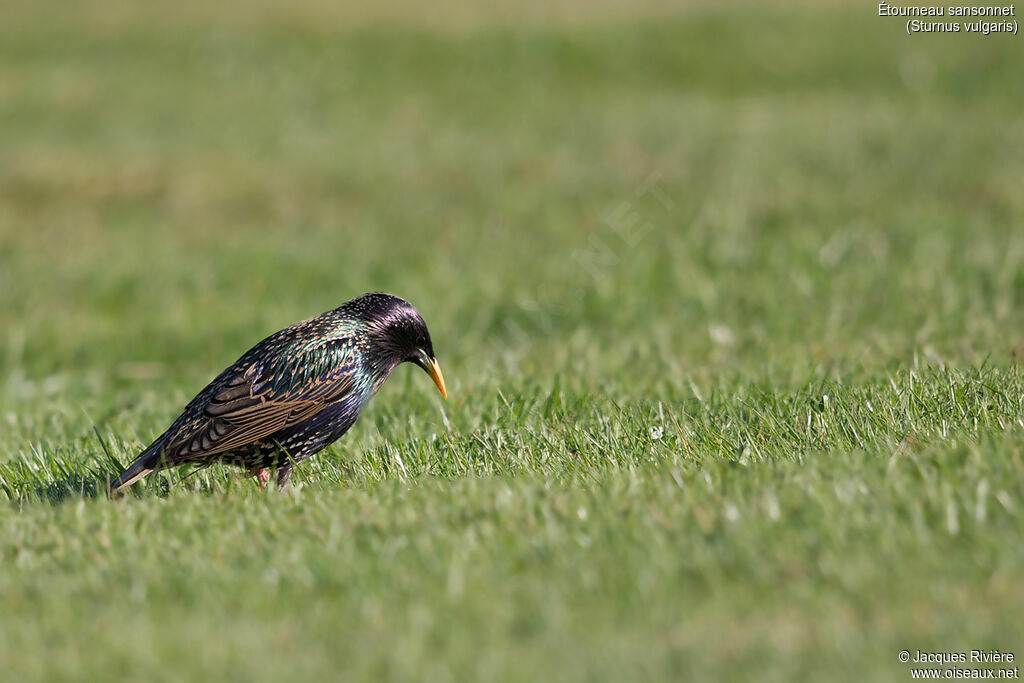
x: 284, y: 473
x: 262, y: 476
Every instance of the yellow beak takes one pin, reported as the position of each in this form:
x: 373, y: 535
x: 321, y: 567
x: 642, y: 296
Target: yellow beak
x: 434, y: 370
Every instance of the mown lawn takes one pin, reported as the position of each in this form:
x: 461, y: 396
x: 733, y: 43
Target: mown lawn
x: 728, y: 297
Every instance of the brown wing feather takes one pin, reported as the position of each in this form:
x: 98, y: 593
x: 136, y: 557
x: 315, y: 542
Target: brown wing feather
x: 238, y: 415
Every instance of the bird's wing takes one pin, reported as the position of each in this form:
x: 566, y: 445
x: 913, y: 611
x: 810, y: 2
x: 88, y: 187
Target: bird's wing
x: 252, y: 402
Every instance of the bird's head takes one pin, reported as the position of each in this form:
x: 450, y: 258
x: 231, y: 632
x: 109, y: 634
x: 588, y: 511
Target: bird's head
x: 397, y: 335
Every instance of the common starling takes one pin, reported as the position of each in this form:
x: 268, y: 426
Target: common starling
x: 295, y: 392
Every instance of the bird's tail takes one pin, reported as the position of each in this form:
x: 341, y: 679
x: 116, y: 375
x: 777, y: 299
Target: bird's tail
x: 137, y: 470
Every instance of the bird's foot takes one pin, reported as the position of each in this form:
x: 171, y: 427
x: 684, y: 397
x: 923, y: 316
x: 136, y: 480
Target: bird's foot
x: 262, y: 477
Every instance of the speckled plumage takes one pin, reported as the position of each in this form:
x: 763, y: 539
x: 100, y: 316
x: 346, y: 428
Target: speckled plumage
x: 295, y: 392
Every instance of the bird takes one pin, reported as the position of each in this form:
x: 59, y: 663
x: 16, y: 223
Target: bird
x: 294, y: 393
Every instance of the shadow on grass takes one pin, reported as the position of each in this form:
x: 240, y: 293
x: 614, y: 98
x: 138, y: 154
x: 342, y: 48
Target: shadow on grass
x: 24, y: 482
x: 49, y: 478
x: 73, y: 486
x: 58, y: 490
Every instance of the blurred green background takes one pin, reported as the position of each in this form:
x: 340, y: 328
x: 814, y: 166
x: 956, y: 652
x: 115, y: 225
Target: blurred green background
x: 728, y: 297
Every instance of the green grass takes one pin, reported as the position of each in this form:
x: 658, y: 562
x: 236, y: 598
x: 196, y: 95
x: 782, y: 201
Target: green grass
x: 729, y: 300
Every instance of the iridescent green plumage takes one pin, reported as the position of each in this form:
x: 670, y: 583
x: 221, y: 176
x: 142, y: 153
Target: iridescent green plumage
x: 295, y: 392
